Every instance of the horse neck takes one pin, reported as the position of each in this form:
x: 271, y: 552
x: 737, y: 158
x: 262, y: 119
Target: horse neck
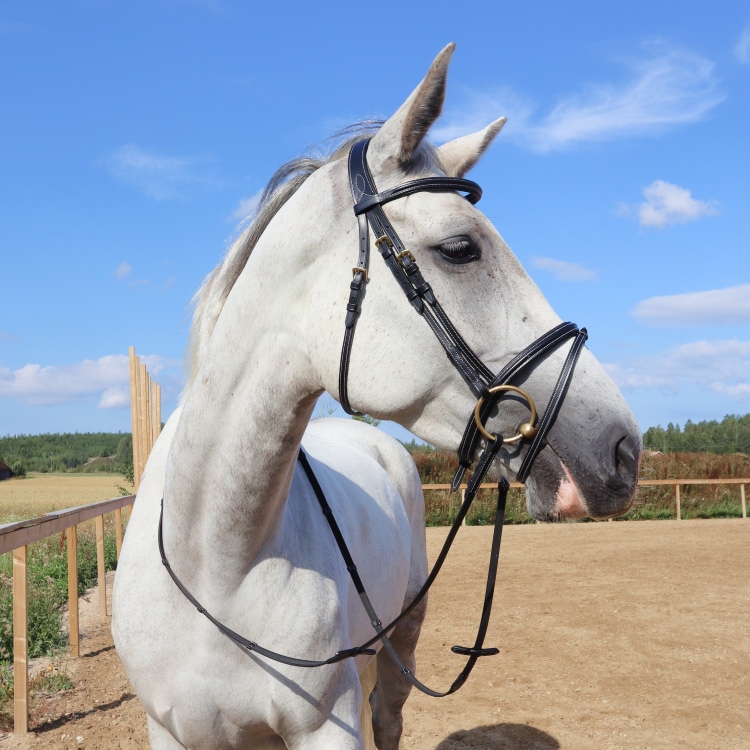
x: 236, y: 444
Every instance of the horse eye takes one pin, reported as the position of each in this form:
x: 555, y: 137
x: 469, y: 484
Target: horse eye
x: 459, y: 250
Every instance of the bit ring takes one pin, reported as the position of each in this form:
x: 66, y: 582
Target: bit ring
x: 526, y: 430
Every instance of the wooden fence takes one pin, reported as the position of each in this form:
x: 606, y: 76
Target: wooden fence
x: 16, y: 537
x: 677, y: 483
x: 680, y: 482
x: 145, y: 412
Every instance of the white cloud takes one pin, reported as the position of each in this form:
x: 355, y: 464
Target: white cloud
x: 668, y: 204
x: 564, y: 271
x: 712, y: 307
x: 115, y: 398
x: 739, y: 391
x: 720, y: 366
x: 246, y: 208
x: 161, y: 177
x: 666, y: 89
x: 122, y: 271
x: 107, y: 377
x: 742, y: 48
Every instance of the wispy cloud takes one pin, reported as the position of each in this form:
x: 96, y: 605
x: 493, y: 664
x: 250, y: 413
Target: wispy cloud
x: 5, y: 336
x: 664, y: 89
x: 564, y: 271
x: 712, y: 307
x: 160, y: 177
x: 742, y: 48
x: 123, y: 271
x: 246, y: 208
x: 667, y: 204
x: 107, y: 378
x: 477, y: 109
x: 721, y: 366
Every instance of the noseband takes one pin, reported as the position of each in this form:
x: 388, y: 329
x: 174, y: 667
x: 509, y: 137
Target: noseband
x: 488, y: 389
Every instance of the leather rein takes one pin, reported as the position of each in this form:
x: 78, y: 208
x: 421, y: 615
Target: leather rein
x: 488, y: 388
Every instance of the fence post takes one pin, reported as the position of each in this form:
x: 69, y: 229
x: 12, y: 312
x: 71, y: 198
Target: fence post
x: 118, y: 531
x: 677, y: 498
x: 135, y: 395
x: 102, y: 576
x: 20, y: 643
x: 73, y: 591
x: 744, y: 504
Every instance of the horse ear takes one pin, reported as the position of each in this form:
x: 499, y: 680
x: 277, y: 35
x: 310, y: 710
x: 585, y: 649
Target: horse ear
x: 459, y: 156
x: 400, y: 135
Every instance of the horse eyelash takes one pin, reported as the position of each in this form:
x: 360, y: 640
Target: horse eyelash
x: 456, y: 246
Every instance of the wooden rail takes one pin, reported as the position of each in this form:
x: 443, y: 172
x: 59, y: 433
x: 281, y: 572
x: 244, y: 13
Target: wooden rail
x: 15, y: 538
x: 677, y: 483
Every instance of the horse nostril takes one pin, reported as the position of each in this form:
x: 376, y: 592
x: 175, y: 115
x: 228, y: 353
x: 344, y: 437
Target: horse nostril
x: 626, y: 458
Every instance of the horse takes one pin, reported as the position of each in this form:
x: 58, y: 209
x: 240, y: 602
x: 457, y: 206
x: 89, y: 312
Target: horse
x: 225, y: 506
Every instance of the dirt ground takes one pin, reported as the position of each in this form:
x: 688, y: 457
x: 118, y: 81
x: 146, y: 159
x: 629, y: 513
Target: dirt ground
x: 612, y: 635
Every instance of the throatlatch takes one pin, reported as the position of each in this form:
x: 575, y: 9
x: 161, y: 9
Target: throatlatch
x: 489, y: 389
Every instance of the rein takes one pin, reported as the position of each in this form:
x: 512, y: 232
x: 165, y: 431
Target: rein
x: 489, y: 389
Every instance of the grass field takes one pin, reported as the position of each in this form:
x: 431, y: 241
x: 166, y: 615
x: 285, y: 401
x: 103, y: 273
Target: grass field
x: 43, y: 493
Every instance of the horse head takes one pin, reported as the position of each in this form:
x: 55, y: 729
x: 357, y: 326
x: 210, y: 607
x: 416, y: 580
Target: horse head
x: 398, y: 370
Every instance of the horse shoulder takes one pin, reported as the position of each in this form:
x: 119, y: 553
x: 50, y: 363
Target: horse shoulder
x: 351, y: 436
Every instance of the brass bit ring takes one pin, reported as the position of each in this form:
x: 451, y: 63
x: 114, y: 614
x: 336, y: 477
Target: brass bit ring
x: 526, y: 430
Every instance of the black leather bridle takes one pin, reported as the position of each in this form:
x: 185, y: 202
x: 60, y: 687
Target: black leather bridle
x: 486, y: 387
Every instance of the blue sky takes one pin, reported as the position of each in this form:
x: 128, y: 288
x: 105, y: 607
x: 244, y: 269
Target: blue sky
x: 134, y: 134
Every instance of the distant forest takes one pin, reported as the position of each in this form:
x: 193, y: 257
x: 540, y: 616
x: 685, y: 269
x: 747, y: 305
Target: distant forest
x: 79, y: 452
x: 113, y: 451
x: 731, y: 435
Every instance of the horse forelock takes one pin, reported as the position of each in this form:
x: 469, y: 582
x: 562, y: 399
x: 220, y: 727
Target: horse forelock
x: 209, y: 300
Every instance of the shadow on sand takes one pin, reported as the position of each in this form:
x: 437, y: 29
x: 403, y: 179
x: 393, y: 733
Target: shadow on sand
x: 500, y: 736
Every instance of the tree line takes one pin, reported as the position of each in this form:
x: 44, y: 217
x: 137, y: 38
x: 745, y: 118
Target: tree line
x: 77, y: 452
x: 731, y: 435
x: 113, y: 451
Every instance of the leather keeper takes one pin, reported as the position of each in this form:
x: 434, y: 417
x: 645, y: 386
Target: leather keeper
x: 468, y: 651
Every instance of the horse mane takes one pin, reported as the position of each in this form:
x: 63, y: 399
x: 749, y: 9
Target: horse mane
x: 209, y: 300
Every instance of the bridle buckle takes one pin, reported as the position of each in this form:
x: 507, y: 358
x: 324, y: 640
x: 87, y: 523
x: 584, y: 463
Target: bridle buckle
x: 408, y: 254
x: 363, y: 271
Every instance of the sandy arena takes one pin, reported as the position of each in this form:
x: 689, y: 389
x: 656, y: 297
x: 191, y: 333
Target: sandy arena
x: 612, y: 635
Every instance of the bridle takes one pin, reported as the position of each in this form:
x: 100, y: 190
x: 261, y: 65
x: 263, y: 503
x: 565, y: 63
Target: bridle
x: 487, y: 387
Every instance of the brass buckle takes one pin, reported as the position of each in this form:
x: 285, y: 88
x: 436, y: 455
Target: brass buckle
x: 408, y: 254
x: 357, y: 270
x: 384, y: 238
x: 526, y: 430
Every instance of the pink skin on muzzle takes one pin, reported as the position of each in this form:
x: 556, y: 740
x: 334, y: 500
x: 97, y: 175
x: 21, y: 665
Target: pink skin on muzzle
x: 569, y: 502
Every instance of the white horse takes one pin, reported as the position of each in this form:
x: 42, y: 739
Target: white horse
x: 242, y: 528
